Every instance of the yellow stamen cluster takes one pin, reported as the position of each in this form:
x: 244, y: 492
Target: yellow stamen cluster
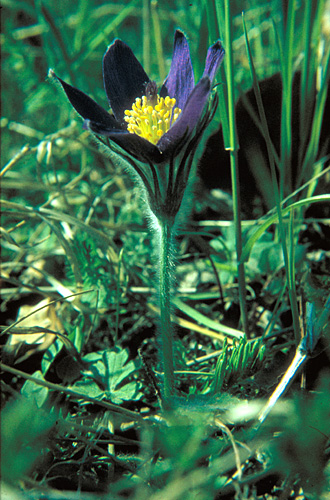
x: 151, y: 121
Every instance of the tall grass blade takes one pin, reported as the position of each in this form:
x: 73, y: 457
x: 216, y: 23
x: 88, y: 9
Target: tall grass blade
x: 286, y: 255
x: 224, y: 17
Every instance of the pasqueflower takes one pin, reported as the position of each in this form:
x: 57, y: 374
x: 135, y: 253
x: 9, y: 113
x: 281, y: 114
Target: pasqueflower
x: 157, y: 135
x: 150, y: 126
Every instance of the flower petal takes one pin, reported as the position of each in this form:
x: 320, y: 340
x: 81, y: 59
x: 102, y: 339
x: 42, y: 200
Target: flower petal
x: 214, y: 57
x: 124, y: 78
x: 189, y: 117
x: 133, y: 144
x: 85, y: 106
x: 180, y: 80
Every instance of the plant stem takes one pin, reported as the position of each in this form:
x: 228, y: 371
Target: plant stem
x: 234, y: 163
x: 165, y: 281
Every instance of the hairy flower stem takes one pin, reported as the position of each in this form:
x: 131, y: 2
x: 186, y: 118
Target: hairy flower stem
x: 165, y: 279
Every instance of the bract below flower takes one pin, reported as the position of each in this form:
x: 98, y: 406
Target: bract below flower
x: 149, y: 126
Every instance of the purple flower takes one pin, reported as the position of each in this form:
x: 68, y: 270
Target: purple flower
x: 151, y: 127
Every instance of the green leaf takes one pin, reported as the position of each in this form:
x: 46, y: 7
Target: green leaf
x: 24, y: 428
x: 89, y: 387
x: 50, y: 355
x: 116, y: 371
x: 106, y: 377
x: 36, y: 393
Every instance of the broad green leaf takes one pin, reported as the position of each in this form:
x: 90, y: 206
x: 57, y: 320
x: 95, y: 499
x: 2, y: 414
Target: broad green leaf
x: 116, y: 371
x: 105, y: 378
x: 37, y: 393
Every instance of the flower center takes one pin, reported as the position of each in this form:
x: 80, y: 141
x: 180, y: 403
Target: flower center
x: 151, y: 116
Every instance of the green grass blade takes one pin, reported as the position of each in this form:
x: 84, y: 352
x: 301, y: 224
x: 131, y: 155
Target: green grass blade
x: 103, y: 35
x: 204, y: 320
x: 253, y: 238
x: 224, y: 16
x: 277, y: 194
